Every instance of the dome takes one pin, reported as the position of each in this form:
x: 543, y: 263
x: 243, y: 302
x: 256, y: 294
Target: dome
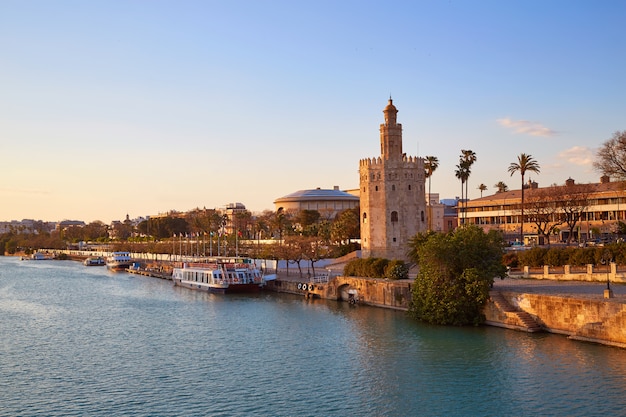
x: 327, y: 202
x: 390, y: 107
x: 318, y: 194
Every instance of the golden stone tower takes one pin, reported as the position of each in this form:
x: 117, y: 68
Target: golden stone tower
x: 392, y: 196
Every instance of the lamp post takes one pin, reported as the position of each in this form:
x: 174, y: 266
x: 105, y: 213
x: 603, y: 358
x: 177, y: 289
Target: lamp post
x: 606, y: 260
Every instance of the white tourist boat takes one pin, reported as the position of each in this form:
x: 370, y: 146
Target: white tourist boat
x: 119, y: 261
x: 224, y: 275
x: 94, y: 261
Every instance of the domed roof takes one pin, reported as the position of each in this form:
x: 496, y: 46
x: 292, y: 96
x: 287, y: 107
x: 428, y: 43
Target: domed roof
x: 318, y: 194
x: 390, y: 106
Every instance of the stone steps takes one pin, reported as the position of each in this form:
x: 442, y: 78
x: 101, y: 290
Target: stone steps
x: 529, y: 324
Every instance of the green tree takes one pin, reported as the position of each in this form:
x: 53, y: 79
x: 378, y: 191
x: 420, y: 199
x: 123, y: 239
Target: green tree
x: 456, y: 272
x: 524, y: 163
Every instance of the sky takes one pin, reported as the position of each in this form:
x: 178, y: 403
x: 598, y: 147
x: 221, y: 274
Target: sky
x: 109, y: 108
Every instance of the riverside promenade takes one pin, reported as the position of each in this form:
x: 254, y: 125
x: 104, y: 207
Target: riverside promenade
x: 577, y: 289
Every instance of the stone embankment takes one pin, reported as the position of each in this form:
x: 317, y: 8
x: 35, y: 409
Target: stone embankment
x: 577, y: 309
x: 587, y: 305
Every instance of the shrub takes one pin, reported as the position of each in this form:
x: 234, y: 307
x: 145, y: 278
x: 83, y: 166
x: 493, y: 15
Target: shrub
x: 368, y: 268
x: 582, y: 256
x: 533, y: 257
x: 510, y: 259
x: 555, y: 257
x: 396, y: 269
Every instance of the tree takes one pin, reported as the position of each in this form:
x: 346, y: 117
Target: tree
x: 345, y: 227
x: 431, y: 165
x: 574, y: 201
x: 456, y: 272
x: 544, y: 210
x: 461, y: 174
x: 482, y: 187
x: 611, y: 157
x: 502, y: 187
x: 463, y: 171
x: 468, y: 157
x: 524, y: 163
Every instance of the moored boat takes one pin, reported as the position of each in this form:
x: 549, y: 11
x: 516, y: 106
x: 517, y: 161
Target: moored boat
x: 119, y: 261
x: 37, y: 256
x: 228, y: 275
x: 94, y: 261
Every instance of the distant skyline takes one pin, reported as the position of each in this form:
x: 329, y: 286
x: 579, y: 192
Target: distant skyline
x: 110, y: 108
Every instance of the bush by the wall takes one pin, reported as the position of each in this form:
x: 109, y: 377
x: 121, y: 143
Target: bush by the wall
x: 397, y: 269
x: 376, y: 268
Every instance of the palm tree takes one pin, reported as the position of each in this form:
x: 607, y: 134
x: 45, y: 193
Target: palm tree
x: 463, y: 170
x: 524, y: 163
x: 468, y: 157
x: 431, y: 164
x: 482, y: 187
x: 502, y: 187
x: 462, y: 175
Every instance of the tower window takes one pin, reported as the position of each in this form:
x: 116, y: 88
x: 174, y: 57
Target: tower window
x: 394, y: 216
x: 364, y: 217
x: 376, y: 189
x: 393, y: 188
x: 422, y: 215
x: 409, y: 187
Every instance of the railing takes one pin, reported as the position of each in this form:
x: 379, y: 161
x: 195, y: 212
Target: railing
x: 589, y: 272
x: 321, y: 278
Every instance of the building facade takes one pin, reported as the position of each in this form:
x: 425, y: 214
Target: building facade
x: 594, y: 210
x: 392, y: 194
x: 328, y: 202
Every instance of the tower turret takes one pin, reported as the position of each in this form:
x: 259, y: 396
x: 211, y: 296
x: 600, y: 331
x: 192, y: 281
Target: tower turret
x: 391, y: 134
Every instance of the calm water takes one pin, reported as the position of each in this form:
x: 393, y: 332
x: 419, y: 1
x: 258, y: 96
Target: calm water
x: 86, y: 342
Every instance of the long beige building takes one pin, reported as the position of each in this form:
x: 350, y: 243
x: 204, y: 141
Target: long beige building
x: 600, y: 207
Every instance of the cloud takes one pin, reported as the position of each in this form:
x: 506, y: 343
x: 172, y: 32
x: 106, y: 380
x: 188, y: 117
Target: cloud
x: 527, y: 127
x: 578, y: 155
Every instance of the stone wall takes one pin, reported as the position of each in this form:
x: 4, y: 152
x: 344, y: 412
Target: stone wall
x: 370, y: 291
x: 593, y: 320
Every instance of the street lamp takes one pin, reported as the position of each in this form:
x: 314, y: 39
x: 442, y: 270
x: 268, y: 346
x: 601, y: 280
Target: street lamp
x: 606, y: 260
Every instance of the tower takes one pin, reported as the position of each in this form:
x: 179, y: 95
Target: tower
x: 392, y: 198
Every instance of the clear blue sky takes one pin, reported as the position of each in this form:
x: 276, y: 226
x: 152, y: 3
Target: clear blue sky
x: 140, y: 107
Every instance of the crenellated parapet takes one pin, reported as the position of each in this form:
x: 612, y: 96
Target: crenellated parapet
x: 406, y: 162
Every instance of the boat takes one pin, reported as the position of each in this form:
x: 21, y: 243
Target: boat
x: 229, y: 275
x: 94, y: 261
x: 37, y: 256
x: 119, y: 261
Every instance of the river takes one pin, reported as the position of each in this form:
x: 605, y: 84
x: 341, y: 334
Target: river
x: 83, y: 341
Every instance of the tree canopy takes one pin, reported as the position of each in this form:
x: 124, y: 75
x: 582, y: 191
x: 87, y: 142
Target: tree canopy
x: 456, y: 270
x: 611, y: 157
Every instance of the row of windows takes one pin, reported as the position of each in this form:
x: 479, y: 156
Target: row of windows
x: 593, y: 202
x: 394, y: 216
x: 391, y: 176
x: 592, y: 216
x: 393, y: 188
